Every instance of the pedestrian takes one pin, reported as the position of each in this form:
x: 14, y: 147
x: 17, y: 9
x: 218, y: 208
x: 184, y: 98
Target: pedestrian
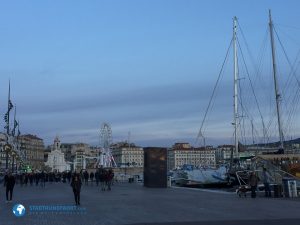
x: 22, y: 176
x: 97, y: 177
x: 76, y: 185
x: 69, y: 175
x: 43, y: 179
x: 102, y: 179
x: 253, y: 180
x: 92, y: 177
x: 37, y: 179
x: 110, y: 177
x: 9, y: 183
x: 86, y: 177
x: 266, y: 180
x: 31, y: 179
x: 26, y: 179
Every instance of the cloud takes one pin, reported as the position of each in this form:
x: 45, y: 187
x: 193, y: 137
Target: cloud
x: 152, y: 113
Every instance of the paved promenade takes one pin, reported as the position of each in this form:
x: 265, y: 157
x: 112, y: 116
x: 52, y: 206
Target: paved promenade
x: 135, y: 204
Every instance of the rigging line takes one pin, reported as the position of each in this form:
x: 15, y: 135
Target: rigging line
x: 241, y: 124
x: 247, y: 46
x: 294, y: 107
x: 213, y: 102
x: 288, y: 26
x: 289, y: 37
x: 213, y: 93
x: 290, y: 64
x: 293, y: 70
x: 252, y: 88
x: 262, y: 54
x: 263, y: 46
x: 291, y: 102
x: 248, y: 115
x: 269, y: 124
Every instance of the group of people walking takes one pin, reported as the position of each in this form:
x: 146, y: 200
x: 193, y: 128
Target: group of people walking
x: 101, y: 176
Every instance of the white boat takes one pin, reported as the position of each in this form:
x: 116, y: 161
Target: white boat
x: 188, y: 175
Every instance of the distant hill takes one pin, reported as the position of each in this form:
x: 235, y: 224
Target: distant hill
x: 276, y: 144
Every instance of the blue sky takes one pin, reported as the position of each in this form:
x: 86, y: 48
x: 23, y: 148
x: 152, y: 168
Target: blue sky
x: 147, y: 67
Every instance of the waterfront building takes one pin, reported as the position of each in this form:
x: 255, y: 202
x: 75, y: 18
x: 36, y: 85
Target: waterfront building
x: 127, y: 154
x: 34, y: 150
x: 78, y: 155
x: 56, y: 158
x: 2, y: 152
x: 223, y: 153
x: 84, y: 157
x: 183, y: 153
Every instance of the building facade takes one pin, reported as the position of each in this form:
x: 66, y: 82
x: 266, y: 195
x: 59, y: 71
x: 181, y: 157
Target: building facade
x: 184, y: 154
x: 34, y: 150
x: 2, y: 152
x: 128, y: 155
x: 56, y: 158
x: 223, y: 153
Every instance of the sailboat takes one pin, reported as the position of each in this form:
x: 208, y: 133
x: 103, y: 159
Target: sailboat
x: 225, y: 174
x: 190, y: 175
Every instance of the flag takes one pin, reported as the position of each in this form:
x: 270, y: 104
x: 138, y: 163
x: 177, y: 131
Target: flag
x: 16, y: 124
x: 10, y: 105
x: 6, y: 117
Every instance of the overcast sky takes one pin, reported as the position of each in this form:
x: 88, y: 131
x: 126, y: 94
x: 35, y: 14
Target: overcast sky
x: 144, y: 67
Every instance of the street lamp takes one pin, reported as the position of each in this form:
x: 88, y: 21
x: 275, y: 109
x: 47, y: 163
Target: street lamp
x: 13, y: 161
x: 7, y: 149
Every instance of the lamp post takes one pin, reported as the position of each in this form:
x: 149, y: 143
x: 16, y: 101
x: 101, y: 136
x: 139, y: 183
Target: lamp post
x: 7, y: 149
x: 13, y: 161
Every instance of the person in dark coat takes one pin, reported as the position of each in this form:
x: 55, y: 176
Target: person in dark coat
x: 92, y: 177
x: 110, y: 177
x: 76, y: 185
x: 86, y: 177
x: 69, y: 175
x: 97, y: 177
x: 266, y: 177
x: 9, y: 183
x: 253, y: 181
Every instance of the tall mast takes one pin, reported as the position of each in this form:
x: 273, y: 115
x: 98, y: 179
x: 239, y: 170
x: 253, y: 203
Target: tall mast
x: 15, y: 125
x: 235, y: 69
x: 277, y: 94
x: 8, y: 109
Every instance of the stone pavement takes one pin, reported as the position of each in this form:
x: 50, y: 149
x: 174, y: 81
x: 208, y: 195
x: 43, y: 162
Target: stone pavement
x: 135, y: 204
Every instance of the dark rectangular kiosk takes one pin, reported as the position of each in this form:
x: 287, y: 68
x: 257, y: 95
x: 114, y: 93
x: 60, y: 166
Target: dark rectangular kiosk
x: 155, y: 167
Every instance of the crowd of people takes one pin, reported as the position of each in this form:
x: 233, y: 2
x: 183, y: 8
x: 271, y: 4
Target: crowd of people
x: 102, y: 176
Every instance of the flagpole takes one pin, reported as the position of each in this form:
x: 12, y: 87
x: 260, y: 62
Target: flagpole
x: 7, y: 124
x: 8, y: 109
x: 15, y: 125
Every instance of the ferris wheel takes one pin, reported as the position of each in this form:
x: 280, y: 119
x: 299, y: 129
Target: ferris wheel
x: 105, y: 135
x: 106, y: 158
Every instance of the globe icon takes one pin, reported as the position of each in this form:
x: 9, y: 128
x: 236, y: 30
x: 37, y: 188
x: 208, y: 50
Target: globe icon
x: 19, y: 210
